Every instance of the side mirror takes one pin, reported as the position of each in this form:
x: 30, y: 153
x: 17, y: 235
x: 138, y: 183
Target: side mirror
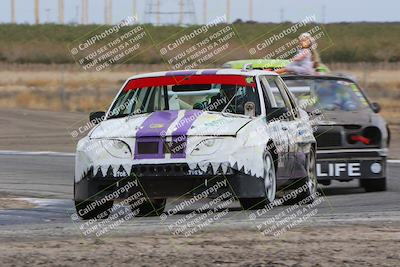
x: 97, y: 117
x: 376, y: 107
x: 277, y: 114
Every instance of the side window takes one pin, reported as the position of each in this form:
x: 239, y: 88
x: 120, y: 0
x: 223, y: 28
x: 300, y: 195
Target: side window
x: 289, y: 95
x: 276, y: 93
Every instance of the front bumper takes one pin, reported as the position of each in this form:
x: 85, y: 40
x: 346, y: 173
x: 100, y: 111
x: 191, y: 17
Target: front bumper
x: 348, y: 164
x: 167, y: 180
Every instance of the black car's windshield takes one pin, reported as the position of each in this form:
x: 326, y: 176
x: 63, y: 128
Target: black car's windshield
x: 184, y: 95
x: 327, y: 94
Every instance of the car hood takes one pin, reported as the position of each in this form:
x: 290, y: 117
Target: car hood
x: 345, y: 117
x: 172, y: 123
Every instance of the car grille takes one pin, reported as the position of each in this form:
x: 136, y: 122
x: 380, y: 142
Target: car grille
x: 160, y: 147
x: 328, y: 138
x: 148, y: 147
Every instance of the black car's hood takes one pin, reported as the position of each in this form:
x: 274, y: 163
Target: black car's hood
x: 360, y: 117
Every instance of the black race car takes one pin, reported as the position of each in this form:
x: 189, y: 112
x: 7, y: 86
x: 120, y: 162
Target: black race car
x: 352, y: 138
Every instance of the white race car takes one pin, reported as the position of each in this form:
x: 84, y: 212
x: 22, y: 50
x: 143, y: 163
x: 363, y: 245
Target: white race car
x: 170, y: 134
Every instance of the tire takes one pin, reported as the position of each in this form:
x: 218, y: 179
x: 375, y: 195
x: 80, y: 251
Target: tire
x: 151, y: 207
x: 101, y: 212
x: 373, y: 185
x: 308, y: 184
x: 269, y: 186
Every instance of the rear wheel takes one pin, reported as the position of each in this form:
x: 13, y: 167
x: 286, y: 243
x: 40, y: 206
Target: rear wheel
x: 150, y: 207
x: 373, y: 185
x: 269, y: 186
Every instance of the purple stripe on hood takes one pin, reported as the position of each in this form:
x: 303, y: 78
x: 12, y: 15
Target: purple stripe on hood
x: 154, y: 129
x: 157, y: 123
x: 180, y: 134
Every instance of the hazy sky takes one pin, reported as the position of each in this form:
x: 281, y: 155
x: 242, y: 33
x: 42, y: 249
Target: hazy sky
x: 263, y: 10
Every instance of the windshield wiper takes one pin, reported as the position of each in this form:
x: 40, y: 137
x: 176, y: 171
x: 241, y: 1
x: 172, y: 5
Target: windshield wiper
x: 117, y: 116
x: 227, y: 105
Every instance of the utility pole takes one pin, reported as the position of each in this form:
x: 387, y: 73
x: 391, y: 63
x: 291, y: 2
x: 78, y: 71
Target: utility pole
x: 85, y: 13
x: 107, y: 11
x: 323, y: 14
x: 228, y: 11
x: 205, y: 12
x: 181, y: 6
x: 61, y: 11
x: 37, y: 19
x: 251, y: 10
x: 134, y: 9
x: 158, y: 12
x: 13, y: 20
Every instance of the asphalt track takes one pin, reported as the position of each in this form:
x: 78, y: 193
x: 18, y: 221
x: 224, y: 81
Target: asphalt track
x: 46, y: 180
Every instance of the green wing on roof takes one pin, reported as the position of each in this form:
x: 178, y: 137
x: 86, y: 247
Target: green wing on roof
x: 265, y: 64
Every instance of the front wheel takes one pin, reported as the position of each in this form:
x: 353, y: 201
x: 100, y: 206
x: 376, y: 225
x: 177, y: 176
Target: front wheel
x: 269, y: 186
x: 306, y: 188
x: 373, y: 185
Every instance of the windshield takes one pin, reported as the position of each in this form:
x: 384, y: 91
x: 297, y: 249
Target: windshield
x: 327, y: 94
x: 219, y: 94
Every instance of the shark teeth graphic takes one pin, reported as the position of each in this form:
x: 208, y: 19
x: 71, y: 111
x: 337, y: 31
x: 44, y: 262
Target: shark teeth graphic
x: 99, y: 172
x: 210, y: 169
x: 235, y: 166
x: 215, y: 167
x: 125, y: 170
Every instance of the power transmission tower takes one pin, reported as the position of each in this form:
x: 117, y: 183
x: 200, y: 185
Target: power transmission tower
x: 166, y: 12
x: 61, y: 11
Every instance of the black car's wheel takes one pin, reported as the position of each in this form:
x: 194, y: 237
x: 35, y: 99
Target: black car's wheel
x: 373, y: 185
x: 269, y: 186
x: 87, y: 210
x: 150, y: 207
x: 306, y: 188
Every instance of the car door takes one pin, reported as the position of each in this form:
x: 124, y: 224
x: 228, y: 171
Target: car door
x: 300, y: 133
x: 279, y: 130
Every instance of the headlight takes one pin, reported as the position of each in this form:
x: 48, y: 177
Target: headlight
x: 117, y: 148
x: 207, y: 147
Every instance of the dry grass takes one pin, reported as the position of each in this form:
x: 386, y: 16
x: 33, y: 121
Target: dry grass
x: 66, y: 87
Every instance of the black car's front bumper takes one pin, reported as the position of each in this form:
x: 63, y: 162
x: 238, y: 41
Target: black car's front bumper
x: 348, y: 164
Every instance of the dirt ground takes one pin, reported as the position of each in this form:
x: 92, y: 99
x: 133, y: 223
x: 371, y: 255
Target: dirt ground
x: 39, y: 130
x: 12, y: 203
x: 341, y: 245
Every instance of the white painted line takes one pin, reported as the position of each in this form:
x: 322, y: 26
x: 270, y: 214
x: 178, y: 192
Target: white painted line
x: 33, y: 153
x: 393, y: 160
